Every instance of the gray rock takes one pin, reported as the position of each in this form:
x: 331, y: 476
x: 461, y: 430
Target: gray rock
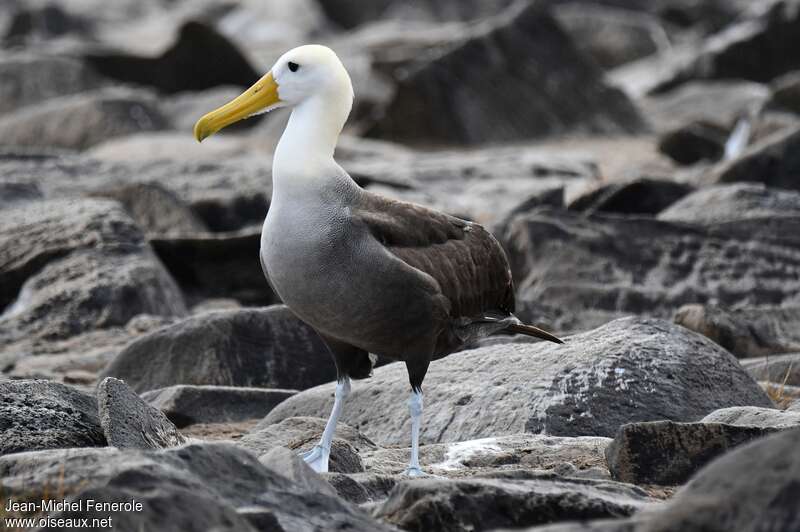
x: 772, y: 161
x: 157, y: 210
x: 720, y: 102
x: 518, y: 452
x: 748, y: 489
x: 461, y: 96
x: 80, y: 121
x: 593, y: 268
x: 783, y: 369
x: 186, y: 404
x: 641, y: 196
x: 187, y: 487
x: 572, y: 389
x: 757, y: 48
x: 269, y: 348
x: 785, y: 93
x: 301, y: 434
x: 46, y: 415
x: 747, y: 331
x: 130, y: 423
x: 287, y: 463
x: 27, y: 79
x: 668, y: 453
x: 71, y: 267
x: 14, y: 192
x: 482, y: 504
x: 348, y: 13
x: 727, y: 203
x: 610, y: 36
x: 752, y: 416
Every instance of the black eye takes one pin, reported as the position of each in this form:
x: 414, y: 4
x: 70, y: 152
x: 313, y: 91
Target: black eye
x: 293, y: 66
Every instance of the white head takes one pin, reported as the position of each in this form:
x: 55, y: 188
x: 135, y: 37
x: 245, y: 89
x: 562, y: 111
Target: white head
x: 309, y: 78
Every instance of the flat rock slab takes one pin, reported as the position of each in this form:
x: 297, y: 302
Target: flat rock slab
x: 130, y: 423
x: 730, y: 202
x: 572, y: 456
x: 632, y: 369
x: 750, y: 332
x: 268, y: 347
x: 39, y: 414
x: 192, y: 487
x: 484, y: 504
x: 186, y: 404
x: 751, y: 416
x: 669, y: 453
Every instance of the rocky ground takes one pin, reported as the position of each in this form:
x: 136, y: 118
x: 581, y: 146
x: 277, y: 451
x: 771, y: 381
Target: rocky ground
x: 638, y: 161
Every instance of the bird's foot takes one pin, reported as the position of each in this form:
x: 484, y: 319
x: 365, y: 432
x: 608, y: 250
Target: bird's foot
x: 317, y: 458
x: 414, y: 471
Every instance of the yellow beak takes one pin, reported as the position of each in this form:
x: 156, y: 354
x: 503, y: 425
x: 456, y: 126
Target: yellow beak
x: 262, y: 95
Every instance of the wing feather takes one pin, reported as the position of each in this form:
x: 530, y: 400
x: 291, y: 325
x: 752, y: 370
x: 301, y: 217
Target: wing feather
x: 466, y: 260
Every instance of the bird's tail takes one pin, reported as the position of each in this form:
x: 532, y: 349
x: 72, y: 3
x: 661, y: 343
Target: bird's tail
x: 530, y: 330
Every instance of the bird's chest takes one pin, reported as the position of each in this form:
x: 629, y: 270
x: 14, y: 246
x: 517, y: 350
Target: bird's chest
x: 306, y: 256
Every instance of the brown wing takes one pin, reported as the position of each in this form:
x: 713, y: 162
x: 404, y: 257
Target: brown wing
x: 465, y: 259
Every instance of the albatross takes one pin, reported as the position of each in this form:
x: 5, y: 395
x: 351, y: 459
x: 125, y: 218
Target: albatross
x: 372, y: 275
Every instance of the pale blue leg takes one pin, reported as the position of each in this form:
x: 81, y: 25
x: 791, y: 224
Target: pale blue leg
x: 318, y: 457
x: 415, y: 409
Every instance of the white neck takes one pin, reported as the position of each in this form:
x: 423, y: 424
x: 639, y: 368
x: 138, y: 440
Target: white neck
x: 304, y: 155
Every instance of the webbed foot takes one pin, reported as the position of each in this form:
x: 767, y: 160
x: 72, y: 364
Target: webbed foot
x: 317, y: 458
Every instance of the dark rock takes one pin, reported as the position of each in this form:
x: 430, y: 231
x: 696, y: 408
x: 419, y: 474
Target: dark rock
x: 80, y: 121
x: 726, y: 203
x: 348, y: 13
x: 748, y: 489
x: 483, y: 504
x: 746, y: 332
x: 130, y: 423
x: 301, y: 434
x: 45, y: 22
x: 775, y: 161
x: 186, y: 405
x: 13, y: 192
x: 563, y: 390
x: 785, y: 94
x: 46, y: 415
x: 756, y: 49
x: 217, y: 265
x: 665, y: 452
x: 200, y: 58
x: 593, y: 268
x: 694, y: 142
x: 269, y: 348
x: 783, y: 369
x: 188, y: 487
x: 752, y: 416
x: 643, y: 196
x: 611, y: 36
x: 157, y: 210
x: 74, y: 266
x: 462, y: 96
x: 348, y: 488
x: 27, y: 79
